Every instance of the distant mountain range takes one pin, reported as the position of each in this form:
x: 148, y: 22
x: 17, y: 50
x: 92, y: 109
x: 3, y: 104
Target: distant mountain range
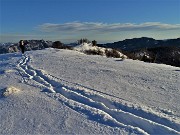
x: 125, y: 45
x: 31, y: 45
x: 140, y: 43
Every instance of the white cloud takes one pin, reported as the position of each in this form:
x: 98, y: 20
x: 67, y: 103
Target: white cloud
x: 104, y: 27
x: 102, y: 32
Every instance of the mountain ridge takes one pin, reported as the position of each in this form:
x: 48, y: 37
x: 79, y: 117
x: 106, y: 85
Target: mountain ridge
x: 143, y: 42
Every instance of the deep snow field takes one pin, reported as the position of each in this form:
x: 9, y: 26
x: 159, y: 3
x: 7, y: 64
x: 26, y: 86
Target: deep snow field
x: 55, y: 91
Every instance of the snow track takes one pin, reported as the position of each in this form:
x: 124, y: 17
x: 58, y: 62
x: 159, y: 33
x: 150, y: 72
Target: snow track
x: 95, y: 106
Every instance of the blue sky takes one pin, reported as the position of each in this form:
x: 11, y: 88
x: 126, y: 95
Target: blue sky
x: 102, y: 20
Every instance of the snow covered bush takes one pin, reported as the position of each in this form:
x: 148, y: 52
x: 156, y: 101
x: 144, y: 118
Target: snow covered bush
x: 94, y: 52
x: 112, y: 53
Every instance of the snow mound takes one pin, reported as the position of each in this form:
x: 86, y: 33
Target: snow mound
x: 9, y: 91
x: 9, y: 71
x: 84, y: 47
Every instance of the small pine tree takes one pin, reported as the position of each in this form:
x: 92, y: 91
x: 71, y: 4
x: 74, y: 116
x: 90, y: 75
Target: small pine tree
x: 94, y: 43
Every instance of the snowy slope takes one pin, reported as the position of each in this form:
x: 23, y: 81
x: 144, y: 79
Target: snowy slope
x: 66, y: 92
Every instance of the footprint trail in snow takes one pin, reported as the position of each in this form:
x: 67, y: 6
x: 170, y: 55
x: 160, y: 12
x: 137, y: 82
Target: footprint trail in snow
x: 95, y: 106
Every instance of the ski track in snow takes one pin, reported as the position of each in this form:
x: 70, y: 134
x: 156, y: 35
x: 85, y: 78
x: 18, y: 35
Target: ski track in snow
x: 95, y: 106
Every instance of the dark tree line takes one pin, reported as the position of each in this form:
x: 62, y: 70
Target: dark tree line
x: 164, y: 55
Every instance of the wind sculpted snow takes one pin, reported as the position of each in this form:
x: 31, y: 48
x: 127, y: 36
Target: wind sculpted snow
x: 122, y: 97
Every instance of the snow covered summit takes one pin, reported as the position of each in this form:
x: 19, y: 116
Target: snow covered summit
x: 55, y: 91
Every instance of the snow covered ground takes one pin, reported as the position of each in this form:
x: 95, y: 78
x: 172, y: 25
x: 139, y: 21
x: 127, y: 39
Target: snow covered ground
x: 67, y: 92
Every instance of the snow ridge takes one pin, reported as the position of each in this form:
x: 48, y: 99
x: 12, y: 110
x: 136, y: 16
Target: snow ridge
x: 95, y: 106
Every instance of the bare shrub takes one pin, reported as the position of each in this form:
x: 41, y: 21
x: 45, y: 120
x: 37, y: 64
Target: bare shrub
x: 94, y: 52
x: 112, y: 53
